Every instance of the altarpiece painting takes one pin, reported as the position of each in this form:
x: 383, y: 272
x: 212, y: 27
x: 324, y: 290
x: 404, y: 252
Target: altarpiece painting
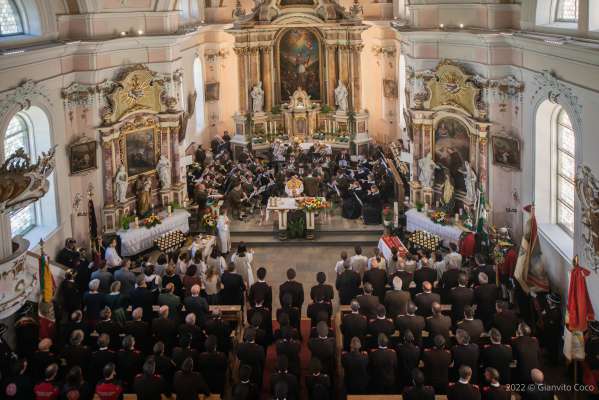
x: 299, y: 52
x: 452, y: 148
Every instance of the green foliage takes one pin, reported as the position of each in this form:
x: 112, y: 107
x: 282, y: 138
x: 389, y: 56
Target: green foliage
x: 175, y: 205
x: 325, y: 109
x: 296, y: 224
x: 419, y: 206
x: 125, y: 221
x: 275, y: 109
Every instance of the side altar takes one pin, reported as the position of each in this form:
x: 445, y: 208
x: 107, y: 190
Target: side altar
x: 299, y: 76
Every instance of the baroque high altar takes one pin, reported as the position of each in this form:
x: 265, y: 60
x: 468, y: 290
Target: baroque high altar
x: 299, y: 75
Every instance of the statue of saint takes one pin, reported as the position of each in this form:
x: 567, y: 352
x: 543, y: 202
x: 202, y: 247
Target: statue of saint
x: 427, y: 170
x: 144, y: 196
x: 120, y: 185
x: 470, y: 179
x: 164, y: 172
x: 257, y: 98
x: 341, y: 97
x: 448, y: 190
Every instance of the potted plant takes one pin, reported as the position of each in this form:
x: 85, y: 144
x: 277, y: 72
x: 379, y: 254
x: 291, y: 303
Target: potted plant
x: 419, y: 206
x: 125, y: 222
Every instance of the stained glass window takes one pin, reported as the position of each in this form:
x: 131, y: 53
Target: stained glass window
x: 566, y: 11
x: 565, y: 173
x: 10, y: 20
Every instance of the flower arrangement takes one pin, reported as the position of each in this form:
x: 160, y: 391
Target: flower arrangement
x: 319, y: 136
x: 151, y: 221
x: 343, y: 138
x: 312, y: 203
x: 439, y: 217
x: 208, y: 221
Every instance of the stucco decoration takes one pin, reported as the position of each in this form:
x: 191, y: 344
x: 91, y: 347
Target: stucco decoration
x: 22, y: 96
x: 546, y: 84
x: 587, y: 188
x: 452, y: 86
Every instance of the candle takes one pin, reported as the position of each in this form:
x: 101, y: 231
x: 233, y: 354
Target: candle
x: 136, y: 222
x: 169, y: 210
x: 425, y: 207
x: 457, y: 217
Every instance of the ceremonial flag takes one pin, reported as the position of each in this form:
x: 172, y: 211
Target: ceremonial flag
x: 481, y: 214
x: 93, y: 223
x: 46, y: 302
x: 578, y: 313
x: 530, y: 272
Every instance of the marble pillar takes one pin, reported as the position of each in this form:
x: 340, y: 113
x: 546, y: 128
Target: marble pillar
x: 267, y: 77
x: 343, y: 60
x: 254, y: 67
x: 357, y: 76
x: 243, y: 87
x: 331, y: 75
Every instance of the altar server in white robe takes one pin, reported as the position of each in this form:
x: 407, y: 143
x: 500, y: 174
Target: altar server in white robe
x: 243, y: 264
x: 113, y: 260
x: 224, y: 232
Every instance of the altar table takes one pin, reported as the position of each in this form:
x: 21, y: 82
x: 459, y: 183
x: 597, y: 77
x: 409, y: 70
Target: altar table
x: 136, y: 240
x: 419, y: 221
x: 282, y: 205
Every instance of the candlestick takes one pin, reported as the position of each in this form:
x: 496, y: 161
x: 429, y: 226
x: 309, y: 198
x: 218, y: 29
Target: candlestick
x: 457, y: 217
x: 425, y: 207
x: 169, y: 210
x: 136, y: 222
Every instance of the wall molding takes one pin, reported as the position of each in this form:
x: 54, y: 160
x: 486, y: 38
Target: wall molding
x: 22, y: 96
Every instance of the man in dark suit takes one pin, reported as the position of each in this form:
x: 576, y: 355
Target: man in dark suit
x: 143, y: 297
x: 425, y: 300
x: 355, y: 366
x: 149, y: 384
x: 526, y: 353
x: 128, y: 362
x: 505, y: 320
x: 494, y: 390
x: 368, y: 302
x: 459, y: 297
x: 221, y: 329
x: 353, y: 324
x: 474, y: 327
x: 262, y: 289
x: 319, y: 310
x: 396, y: 300
x: 383, y: 367
x: 164, y: 328
x: 323, y: 348
x: 190, y: 328
x: 233, y: 287
x: 252, y: 354
x: 377, y: 277
x: 347, y: 284
x: 380, y: 324
x: 486, y: 269
x: 463, y: 389
x: 326, y: 291
x: 100, y: 358
x: 294, y: 288
x: 497, y: 356
x: 538, y: 390
x: 282, y: 375
x: 424, y: 274
x: 197, y: 304
x: 486, y: 295
x: 412, y: 322
x: 438, y: 324
x: 448, y: 280
x: 265, y: 315
x: 290, y: 347
x: 76, y: 353
x: 436, y: 362
x: 419, y: 391
x: 406, y: 276
x: 245, y: 389
x: 465, y: 353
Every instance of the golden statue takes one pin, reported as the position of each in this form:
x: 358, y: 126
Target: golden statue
x: 448, y: 190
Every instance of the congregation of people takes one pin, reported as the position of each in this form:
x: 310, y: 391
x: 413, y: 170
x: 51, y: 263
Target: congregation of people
x: 420, y: 325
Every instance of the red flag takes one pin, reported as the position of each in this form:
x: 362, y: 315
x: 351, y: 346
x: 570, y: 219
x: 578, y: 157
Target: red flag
x: 530, y: 272
x: 580, y: 309
x: 46, y: 304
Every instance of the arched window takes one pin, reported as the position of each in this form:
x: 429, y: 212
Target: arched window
x: 30, y: 130
x: 18, y: 136
x: 198, y: 81
x: 566, y: 11
x: 10, y: 20
x: 565, y: 171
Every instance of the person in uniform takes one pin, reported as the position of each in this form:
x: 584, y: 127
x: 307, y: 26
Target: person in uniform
x: 321, y: 288
x: 538, y: 390
x: 48, y: 388
x: 526, y: 353
x: 396, y: 300
x: 347, y: 284
x: 459, y: 297
x: 418, y: 391
x: 505, y: 320
x: 368, y: 301
x: 294, y: 288
x: 474, y: 327
x: 261, y: 288
x: 189, y: 384
x: 323, y: 348
x: 68, y: 254
x: 355, y: 366
x: 497, y: 356
x: 463, y: 389
x: 353, y: 325
x: 408, y: 356
x: 465, y: 353
x: 424, y: 274
x: 252, y: 354
x: 438, y: 324
x: 233, y: 287
x: 486, y: 295
x: 380, y: 324
x: 383, y: 367
x: 149, y: 385
x: 100, y: 358
x: 109, y: 388
x: 128, y: 361
x: 282, y: 375
x: 494, y: 390
x: 436, y: 362
x: 412, y: 322
x: 550, y: 327
x: 425, y: 300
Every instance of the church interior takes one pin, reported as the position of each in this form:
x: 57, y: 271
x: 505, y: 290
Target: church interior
x: 299, y: 199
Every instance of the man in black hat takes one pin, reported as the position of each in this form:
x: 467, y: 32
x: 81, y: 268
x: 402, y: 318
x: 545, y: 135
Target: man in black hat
x: 550, y: 327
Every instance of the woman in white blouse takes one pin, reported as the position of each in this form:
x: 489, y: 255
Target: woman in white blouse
x: 243, y: 263
x: 216, y: 261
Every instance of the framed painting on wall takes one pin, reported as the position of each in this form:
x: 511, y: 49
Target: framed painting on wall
x: 452, y: 148
x: 506, y: 151
x: 82, y: 156
x: 140, y: 151
x: 212, y: 92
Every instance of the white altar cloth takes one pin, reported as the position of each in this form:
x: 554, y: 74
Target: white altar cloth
x: 418, y: 221
x: 136, y: 240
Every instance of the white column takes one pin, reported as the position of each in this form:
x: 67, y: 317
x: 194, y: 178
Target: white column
x: 5, y: 237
